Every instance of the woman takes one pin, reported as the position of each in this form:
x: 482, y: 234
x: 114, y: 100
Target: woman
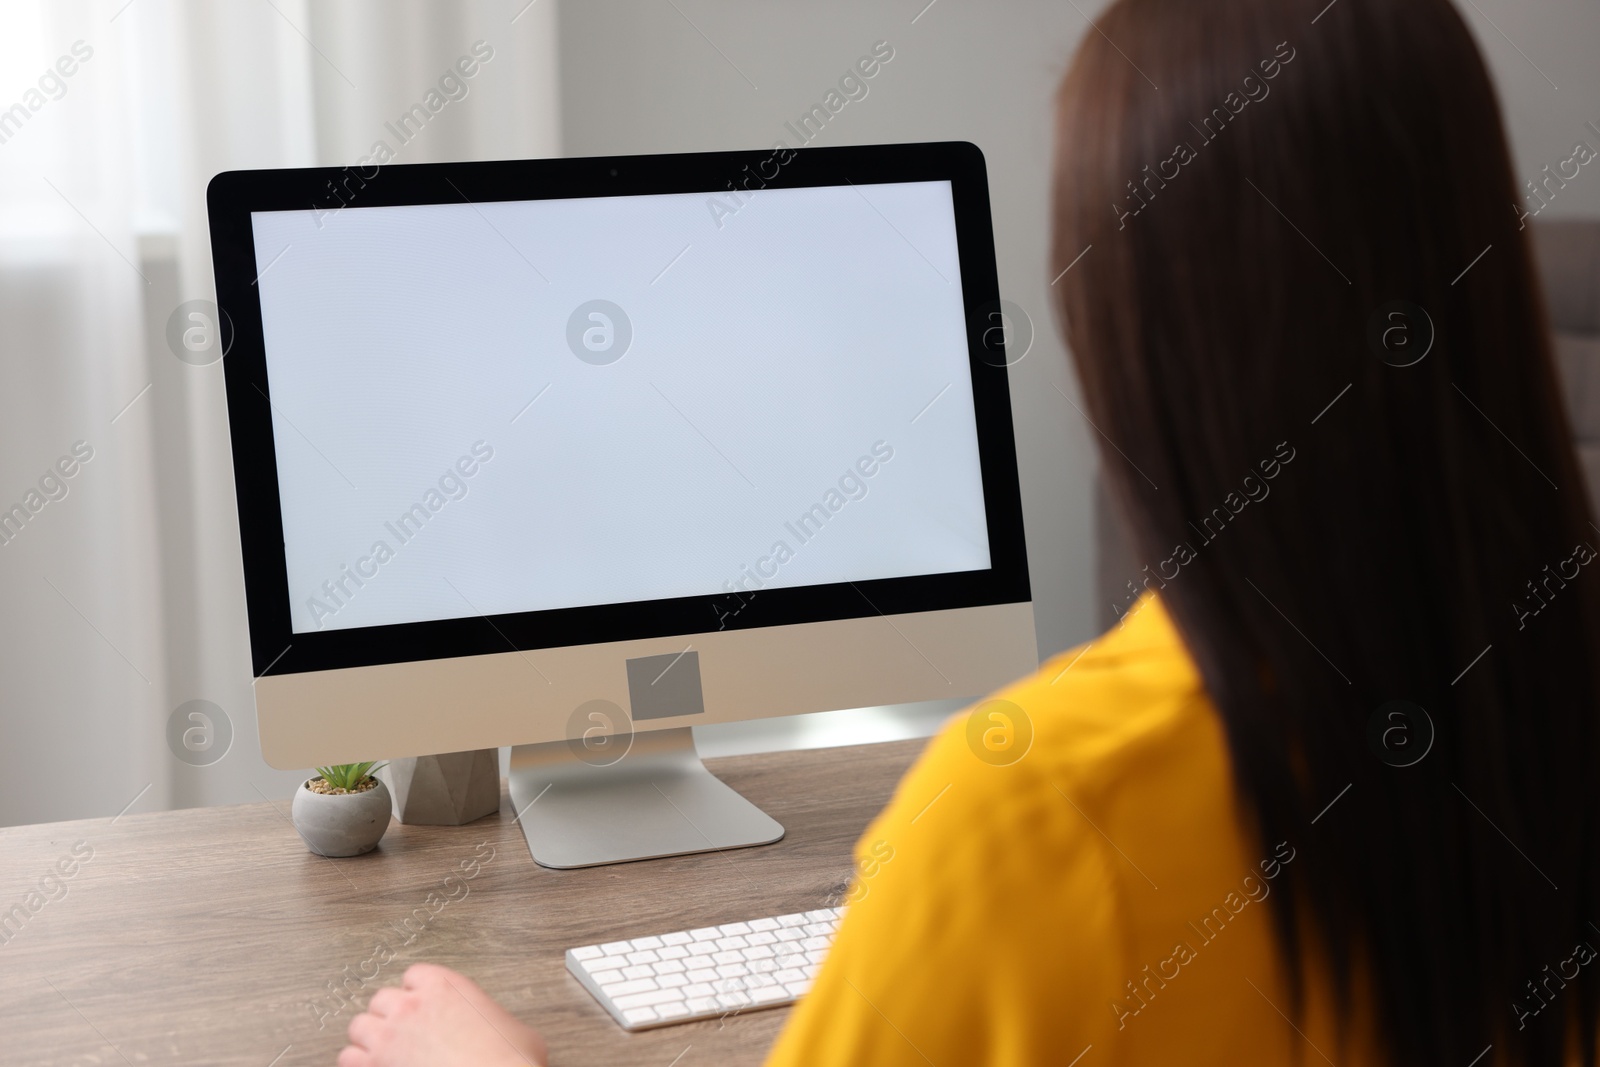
x: 1321, y: 794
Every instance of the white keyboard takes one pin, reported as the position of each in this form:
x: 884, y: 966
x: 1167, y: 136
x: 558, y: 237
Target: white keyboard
x: 705, y: 973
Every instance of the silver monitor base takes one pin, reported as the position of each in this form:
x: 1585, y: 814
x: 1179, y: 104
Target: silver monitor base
x: 658, y: 800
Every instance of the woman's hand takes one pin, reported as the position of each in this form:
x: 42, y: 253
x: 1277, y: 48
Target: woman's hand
x: 439, y: 1018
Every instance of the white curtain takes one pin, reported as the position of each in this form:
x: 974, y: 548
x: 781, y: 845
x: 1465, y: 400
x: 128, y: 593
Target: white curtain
x: 121, y: 596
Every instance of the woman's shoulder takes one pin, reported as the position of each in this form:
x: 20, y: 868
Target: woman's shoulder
x: 1118, y: 725
x: 1013, y: 878
x: 1082, y: 788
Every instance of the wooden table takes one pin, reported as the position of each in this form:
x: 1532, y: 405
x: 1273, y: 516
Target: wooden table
x: 212, y: 936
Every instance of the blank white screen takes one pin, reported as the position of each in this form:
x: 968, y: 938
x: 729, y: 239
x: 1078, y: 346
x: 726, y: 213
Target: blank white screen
x: 772, y: 348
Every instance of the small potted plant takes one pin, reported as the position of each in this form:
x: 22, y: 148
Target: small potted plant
x: 343, y: 810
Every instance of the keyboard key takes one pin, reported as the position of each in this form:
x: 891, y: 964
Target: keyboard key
x: 671, y: 1011
x: 790, y: 933
x: 617, y: 948
x: 639, y: 1015
x: 763, y: 924
x: 698, y: 989
x: 647, y: 999
x: 670, y: 967
x: 672, y: 981
x: 647, y: 942
x: 791, y: 920
x: 815, y: 943
x: 624, y: 989
x: 672, y: 952
x: 735, y: 928
x: 604, y: 963
x: 769, y: 994
x: 727, y: 957
x: 647, y: 956
x: 677, y: 937
x: 705, y: 933
x: 638, y: 970
x: 727, y: 943
x: 587, y: 952
x: 609, y: 978
x: 758, y: 952
x: 733, y: 1000
x: 704, y: 1005
x: 703, y: 975
x: 789, y: 976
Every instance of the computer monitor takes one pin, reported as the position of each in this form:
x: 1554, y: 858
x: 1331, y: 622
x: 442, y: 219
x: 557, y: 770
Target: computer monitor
x: 575, y: 454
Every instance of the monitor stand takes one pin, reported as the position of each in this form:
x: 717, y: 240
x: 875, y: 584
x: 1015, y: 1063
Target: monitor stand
x: 657, y: 800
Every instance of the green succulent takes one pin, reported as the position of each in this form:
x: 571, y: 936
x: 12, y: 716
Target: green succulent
x: 349, y: 776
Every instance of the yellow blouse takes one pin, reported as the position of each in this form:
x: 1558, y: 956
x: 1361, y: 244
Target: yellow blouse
x: 1064, y: 877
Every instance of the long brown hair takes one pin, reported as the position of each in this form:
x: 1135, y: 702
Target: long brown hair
x: 1287, y: 232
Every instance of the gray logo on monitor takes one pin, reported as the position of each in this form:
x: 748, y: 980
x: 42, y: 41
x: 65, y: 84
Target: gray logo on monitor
x: 663, y: 687
x: 599, y: 332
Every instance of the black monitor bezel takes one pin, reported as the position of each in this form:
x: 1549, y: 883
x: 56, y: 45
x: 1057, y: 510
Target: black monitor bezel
x: 232, y: 196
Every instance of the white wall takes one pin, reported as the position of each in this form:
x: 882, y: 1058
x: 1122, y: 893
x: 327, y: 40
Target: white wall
x: 1543, y: 58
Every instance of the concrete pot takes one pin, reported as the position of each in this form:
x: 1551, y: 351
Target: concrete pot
x: 447, y: 790
x: 335, y: 824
